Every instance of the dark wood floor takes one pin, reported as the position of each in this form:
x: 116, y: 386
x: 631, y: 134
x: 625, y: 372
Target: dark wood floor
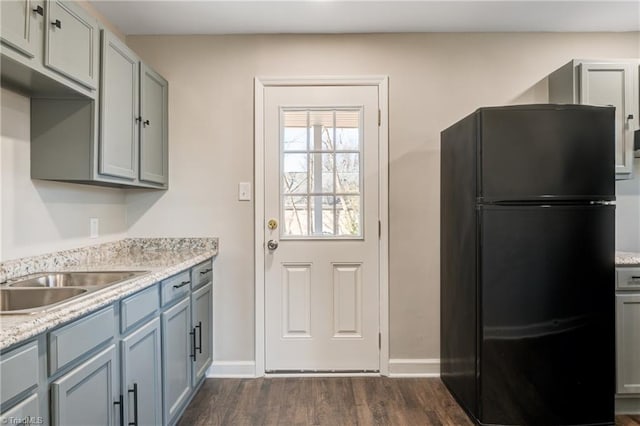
x: 329, y: 401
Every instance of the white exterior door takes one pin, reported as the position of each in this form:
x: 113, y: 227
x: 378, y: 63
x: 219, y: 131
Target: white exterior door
x: 321, y: 161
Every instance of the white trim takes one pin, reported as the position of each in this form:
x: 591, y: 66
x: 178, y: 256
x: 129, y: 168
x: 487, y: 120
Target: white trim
x: 414, y: 367
x: 627, y: 405
x: 302, y: 375
x: 382, y: 82
x: 240, y: 369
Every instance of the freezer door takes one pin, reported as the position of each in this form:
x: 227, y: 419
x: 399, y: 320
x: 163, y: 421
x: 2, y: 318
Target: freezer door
x: 547, y: 300
x: 542, y: 152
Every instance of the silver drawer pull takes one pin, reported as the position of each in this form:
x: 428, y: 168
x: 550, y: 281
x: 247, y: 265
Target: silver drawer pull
x: 182, y: 284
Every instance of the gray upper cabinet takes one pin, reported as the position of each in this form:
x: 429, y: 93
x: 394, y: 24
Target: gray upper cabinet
x: 153, y: 135
x: 119, y: 109
x: 71, y: 43
x: 119, y: 140
x: 17, y: 17
x: 141, y: 381
x: 603, y: 83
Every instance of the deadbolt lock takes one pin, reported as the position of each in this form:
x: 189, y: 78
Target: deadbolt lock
x: 272, y: 224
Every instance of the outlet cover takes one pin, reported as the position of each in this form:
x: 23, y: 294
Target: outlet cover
x: 94, y: 223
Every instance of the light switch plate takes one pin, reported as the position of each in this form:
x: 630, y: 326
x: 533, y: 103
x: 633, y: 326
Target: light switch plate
x: 244, y: 191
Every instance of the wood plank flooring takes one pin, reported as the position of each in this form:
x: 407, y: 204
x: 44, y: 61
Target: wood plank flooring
x: 329, y: 401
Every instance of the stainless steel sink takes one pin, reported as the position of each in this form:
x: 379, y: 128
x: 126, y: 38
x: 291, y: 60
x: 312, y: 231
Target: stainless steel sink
x: 29, y: 300
x: 76, y: 279
x: 38, y: 292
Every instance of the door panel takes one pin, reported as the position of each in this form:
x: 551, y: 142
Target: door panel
x: 321, y: 191
x: 86, y: 394
x: 541, y: 299
x: 154, y: 138
x: 177, y: 350
x: 202, y: 303
x: 16, y: 22
x: 141, y: 383
x: 612, y: 84
x: 628, y: 343
x: 573, y: 143
x: 72, y: 44
x: 119, y: 110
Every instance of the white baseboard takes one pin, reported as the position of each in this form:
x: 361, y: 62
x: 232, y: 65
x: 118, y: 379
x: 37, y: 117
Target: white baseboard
x: 237, y: 369
x: 414, y: 367
x: 627, y: 405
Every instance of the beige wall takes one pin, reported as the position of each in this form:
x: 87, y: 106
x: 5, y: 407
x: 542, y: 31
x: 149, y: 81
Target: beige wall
x: 39, y: 216
x: 435, y: 79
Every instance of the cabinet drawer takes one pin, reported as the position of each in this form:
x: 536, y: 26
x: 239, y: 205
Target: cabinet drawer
x: 137, y: 308
x: 80, y: 337
x: 175, y: 287
x: 26, y: 410
x: 628, y: 278
x: 201, y: 274
x: 18, y: 371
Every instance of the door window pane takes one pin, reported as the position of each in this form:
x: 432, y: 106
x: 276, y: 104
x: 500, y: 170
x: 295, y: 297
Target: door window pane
x: 295, y: 173
x: 321, y: 175
x: 295, y: 216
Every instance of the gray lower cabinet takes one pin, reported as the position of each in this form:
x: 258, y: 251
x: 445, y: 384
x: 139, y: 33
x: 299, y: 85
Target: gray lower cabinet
x: 25, y: 412
x: 71, y: 43
x: 86, y: 395
x: 628, y: 343
x: 628, y: 340
x: 201, y: 302
x: 137, y: 361
x: 177, y: 352
x: 141, y: 380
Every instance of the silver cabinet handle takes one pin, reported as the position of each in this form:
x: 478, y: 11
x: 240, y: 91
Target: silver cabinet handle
x: 272, y: 245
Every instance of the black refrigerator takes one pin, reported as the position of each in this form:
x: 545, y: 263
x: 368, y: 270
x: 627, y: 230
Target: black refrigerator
x: 527, y: 264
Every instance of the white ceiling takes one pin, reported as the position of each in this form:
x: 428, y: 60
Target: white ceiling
x: 359, y: 16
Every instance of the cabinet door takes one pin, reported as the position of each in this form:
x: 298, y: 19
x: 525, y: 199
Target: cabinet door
x: 154, y: 133
x: 119, y: 109
x: 177, y: 351
x: 71, y: 43
x: 16, y: 20
x: 628, y: 342
x: 27, y: 410
x: 86, y: 395
x: 141, y: 383
x: 614, y: 84
x: 201, y: 303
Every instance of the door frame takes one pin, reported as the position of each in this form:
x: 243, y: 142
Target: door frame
x: 382, y: 83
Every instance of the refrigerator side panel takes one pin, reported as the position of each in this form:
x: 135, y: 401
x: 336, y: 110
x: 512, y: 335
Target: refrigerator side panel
x: 548, y: 315
x: 458, y: 262
x: 542, y: 152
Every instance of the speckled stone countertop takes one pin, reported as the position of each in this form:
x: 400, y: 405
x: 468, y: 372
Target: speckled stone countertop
x: 162, y: 257
x: 625, y: 258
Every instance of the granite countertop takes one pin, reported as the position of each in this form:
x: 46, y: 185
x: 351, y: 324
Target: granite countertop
x: 161, y: 257
x: 625, y: 258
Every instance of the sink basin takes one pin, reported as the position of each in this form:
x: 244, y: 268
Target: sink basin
x: 29, y: 300
x: 76, y: 279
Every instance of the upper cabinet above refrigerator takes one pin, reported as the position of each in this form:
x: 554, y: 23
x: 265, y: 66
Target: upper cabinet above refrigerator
x: 602, y: 83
